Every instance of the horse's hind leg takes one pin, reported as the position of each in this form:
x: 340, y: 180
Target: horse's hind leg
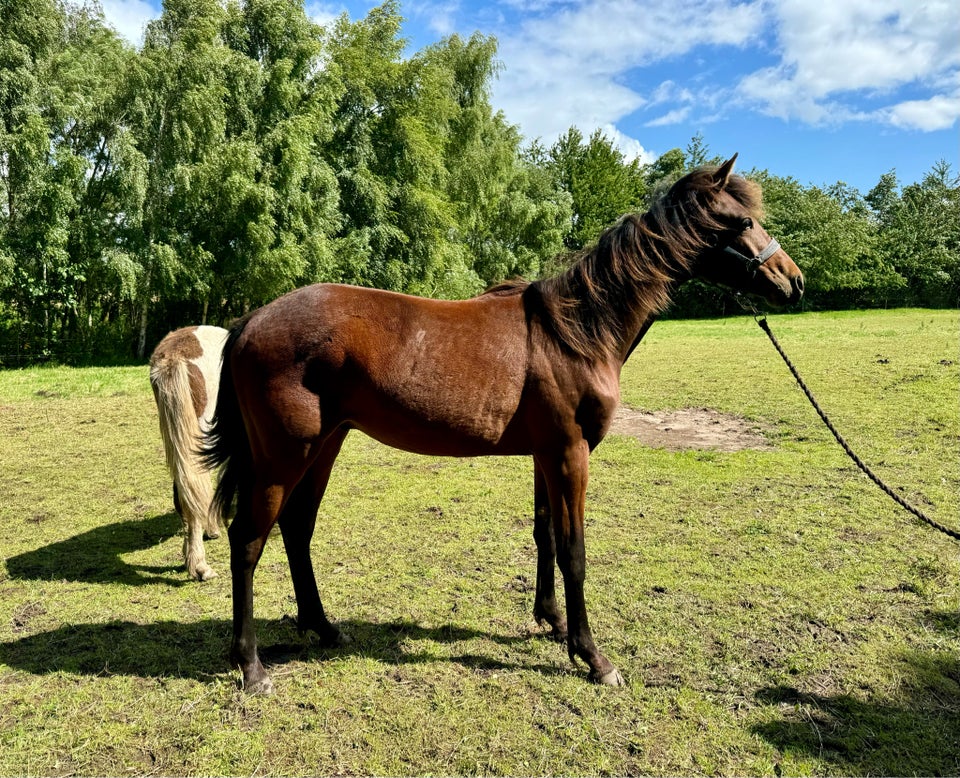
x: 297, y: 523
x: 211, y: 524
x: 176, y: 500
x: 545, y: 608
x: 258, y: 507
x: 189, y: 499
x: 193, y: 552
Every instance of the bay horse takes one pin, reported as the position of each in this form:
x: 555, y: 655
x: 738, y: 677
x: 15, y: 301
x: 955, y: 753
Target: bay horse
x: 527, y: 368
x: 184, y: 375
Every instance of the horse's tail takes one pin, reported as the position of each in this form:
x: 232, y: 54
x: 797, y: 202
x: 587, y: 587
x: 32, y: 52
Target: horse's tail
x: 226, y: 445
x: 180, y: 430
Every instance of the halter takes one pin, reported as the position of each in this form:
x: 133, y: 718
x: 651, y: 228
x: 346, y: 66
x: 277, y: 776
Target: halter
x: 752, y: 264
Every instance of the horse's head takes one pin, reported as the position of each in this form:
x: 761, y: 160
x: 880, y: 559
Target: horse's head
x: 738, y: 253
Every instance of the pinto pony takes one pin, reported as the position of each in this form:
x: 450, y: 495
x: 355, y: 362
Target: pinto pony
x: 526, y: 369
x: 184, y: 374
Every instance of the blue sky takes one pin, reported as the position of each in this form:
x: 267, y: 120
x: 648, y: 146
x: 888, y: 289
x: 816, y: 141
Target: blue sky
x: 841, y: 90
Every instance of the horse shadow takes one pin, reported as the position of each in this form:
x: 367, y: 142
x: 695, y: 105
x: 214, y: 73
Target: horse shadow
x: 915, y: 733
x: 96, y: 556
x: 198, y: 650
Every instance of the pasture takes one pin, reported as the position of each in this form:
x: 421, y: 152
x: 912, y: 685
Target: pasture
x: 771, y: 610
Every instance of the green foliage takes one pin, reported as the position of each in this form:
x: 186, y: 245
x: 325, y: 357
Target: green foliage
x: 888, y: 248
x: 244, y: 150
x: 830, y: 236
x: 601, y: 183
x: 920, y: 234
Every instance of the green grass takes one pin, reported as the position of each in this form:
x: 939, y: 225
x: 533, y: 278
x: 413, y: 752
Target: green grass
x: 771, y: 610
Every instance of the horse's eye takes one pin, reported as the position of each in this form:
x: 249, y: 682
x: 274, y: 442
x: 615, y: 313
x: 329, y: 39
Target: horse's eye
x: 747, y: 223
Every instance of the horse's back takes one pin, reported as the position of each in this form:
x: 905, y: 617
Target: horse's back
x: 197, y: 350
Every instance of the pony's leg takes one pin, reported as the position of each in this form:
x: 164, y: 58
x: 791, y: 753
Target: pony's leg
x: 194, y: 555
x: 193, y: 552
x: 545, y: 607
x: 258, y: 508
x: 211, y: 523
x: 297, y: 523
x: 566, y: 480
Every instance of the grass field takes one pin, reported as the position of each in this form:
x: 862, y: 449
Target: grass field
x: 772, y: 611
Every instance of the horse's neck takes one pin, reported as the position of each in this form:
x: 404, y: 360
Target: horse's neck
x: 646, y: 324
x: 640, y: 317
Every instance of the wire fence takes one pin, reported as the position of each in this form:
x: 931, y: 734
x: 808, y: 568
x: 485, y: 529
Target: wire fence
x: 20, y: 349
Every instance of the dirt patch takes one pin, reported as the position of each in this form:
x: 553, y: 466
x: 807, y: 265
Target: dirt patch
x: 689, y: 428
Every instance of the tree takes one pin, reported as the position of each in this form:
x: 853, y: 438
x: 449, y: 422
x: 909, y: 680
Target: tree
x: 267, y: 208
x: 179, y: 114
x: 602, y: 184
x: 698, y: 153
x: 435, y: 198
x: 919, y: 234
x: 385, y: 154
x: 830, y: 236
x: 231, y: 111
x: 509, y: 218
x: 65, y: 169
x: 663, y: 173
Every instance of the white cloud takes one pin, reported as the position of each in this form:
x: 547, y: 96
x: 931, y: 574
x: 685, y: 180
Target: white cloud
x: 570, y: 67
x: 536, y: 6
x: 573, y: 63
x: 669, y: 92
x: 938, y: 113
x: 850, y: 50
x: 631, y: 148
x: 440, y: 16
x: 129, y: 17
x: 676, y: 116
x: 323, y: 13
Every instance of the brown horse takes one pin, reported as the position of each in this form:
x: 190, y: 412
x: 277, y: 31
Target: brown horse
x: 526, y: 368
x: 184, y: 374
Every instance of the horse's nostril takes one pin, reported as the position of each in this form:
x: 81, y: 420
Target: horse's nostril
x: 798, y: 285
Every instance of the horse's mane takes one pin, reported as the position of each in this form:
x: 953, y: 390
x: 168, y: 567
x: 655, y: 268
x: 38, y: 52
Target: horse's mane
x: 634, y: 265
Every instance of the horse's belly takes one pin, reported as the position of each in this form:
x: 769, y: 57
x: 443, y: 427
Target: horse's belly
x: 458, y: 412
x: 444, y: 421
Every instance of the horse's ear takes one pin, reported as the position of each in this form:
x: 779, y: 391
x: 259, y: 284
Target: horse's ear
x: 724, y: 171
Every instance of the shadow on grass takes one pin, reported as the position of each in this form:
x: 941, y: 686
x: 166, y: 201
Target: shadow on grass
x: 916, y: 733
x: 198, y: 650
x: 95, y: 556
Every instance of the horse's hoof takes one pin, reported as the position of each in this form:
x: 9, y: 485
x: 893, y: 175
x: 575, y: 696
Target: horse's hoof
x: 335, y: 639
x: 204, y: 573
x: 262, y: 687
x: 612, y: 678
x: 558, y: 629
x: 328, y: 636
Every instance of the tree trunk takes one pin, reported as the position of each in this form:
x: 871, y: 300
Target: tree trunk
x: 144, y: 310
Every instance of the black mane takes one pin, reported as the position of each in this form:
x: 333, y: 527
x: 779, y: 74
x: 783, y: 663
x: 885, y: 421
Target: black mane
x: 635, y: 264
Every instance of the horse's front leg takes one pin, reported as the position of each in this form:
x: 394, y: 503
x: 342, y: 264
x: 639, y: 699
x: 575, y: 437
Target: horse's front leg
x: 297, y: 523
x: 566, y: 480
x: 545, y: 607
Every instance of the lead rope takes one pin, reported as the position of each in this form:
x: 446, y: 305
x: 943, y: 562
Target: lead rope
x: 846, y: 447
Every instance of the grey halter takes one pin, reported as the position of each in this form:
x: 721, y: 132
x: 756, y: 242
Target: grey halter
x: 752, y: 264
